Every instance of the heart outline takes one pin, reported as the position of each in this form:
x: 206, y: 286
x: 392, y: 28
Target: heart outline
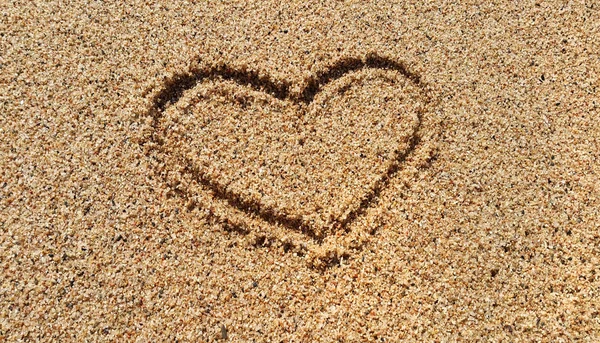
x: 175, y: 87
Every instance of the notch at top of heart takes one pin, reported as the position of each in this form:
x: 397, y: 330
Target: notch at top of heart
x: 175, y: 86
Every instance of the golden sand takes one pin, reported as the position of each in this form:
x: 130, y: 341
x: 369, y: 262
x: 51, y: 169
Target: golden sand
x: 274, y: 171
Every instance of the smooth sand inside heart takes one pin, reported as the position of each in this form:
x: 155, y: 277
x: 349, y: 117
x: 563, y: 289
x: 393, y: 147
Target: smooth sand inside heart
x: 311, y: 163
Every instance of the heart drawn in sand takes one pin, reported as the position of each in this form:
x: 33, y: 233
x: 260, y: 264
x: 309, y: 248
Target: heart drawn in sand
x: 312, y: 160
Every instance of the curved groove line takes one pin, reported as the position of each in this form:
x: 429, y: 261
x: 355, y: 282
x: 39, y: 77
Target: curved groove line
x: 237, y: 201
x: 346, y: 65
x: 178, y: 84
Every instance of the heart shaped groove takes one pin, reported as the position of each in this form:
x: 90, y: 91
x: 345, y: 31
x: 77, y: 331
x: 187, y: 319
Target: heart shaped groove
x: 311, y: 161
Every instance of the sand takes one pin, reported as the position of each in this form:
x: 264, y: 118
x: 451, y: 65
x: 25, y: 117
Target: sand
x: 289, y: 172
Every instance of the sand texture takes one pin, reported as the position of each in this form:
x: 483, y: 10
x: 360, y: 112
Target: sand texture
x: 278, y: 171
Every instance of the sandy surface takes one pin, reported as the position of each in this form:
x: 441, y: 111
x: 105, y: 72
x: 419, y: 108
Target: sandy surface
x: 285, y: 172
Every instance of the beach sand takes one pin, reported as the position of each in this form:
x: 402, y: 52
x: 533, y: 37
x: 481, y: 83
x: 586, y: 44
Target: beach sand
x: 289, y: 172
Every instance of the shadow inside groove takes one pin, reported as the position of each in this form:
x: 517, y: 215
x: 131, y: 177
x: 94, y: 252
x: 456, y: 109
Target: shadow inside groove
x: 178, y: 84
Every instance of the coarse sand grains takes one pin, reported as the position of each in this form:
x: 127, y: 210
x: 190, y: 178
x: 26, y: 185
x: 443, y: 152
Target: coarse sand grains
x: 290, y: 171
x: 309, y: 162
